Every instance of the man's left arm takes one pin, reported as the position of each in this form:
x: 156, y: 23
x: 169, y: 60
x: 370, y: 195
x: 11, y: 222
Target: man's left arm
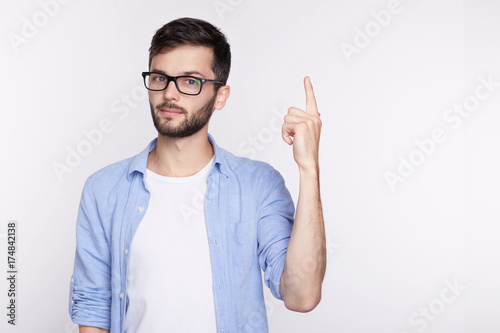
x: 305, y: 263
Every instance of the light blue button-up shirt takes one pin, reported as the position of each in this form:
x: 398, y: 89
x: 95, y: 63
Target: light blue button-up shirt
x: 249, y: 218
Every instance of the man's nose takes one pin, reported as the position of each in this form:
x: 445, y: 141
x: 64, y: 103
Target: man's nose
x: 171, y: 91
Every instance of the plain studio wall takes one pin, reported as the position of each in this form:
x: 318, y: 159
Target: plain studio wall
x: 409, y: 93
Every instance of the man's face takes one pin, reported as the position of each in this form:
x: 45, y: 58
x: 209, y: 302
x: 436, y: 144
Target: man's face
x: 174, y: 114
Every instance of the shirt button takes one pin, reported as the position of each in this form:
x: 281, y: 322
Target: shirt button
x: 126, y: 251
x: 121, y: 295
x: 72, y: 280
x: 140, y: 209
x: 215, y: 241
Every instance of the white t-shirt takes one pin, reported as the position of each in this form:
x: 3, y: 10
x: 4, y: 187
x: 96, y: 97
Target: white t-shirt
x: 169, y: 280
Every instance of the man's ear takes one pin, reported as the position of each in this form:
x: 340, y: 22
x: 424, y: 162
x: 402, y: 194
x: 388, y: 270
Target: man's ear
x: 222, y: 96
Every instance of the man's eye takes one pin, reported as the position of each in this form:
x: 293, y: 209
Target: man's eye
x: 158, y: 78
x: 192, y: 82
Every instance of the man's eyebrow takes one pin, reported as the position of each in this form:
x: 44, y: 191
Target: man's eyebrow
x: 193, y: 73
x: 158, y: 71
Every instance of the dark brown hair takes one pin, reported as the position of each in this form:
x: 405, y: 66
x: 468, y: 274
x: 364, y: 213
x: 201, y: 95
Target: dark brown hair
x: 191, y: 31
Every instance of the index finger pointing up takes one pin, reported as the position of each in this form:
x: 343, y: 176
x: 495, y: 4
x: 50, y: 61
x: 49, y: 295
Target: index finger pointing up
x: 311, y: 106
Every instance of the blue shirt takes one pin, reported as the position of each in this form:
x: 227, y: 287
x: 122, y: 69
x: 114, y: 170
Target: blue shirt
x: 249, y: 218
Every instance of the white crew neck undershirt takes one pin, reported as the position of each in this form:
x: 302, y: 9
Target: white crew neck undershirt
x: 169, y: 277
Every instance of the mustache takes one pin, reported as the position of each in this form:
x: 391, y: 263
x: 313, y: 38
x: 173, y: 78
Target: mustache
x: 170, y: 105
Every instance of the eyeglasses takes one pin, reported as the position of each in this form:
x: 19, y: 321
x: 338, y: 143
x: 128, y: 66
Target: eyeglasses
x: 188, y: 85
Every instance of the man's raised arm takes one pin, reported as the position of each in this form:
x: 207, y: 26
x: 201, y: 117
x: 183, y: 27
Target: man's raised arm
x: 305, y: 263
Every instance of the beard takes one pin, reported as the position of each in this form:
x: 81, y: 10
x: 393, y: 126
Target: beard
x: 188, y: 126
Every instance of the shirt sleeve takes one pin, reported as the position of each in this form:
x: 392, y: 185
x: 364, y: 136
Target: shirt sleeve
x: 90, y: 285
x: 274, y: 227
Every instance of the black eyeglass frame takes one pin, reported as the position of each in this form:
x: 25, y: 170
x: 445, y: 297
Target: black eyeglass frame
x: 174, y: 78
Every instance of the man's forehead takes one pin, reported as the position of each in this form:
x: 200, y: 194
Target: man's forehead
x: 184, y: 60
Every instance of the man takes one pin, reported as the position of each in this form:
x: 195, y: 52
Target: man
x: 151, y: 256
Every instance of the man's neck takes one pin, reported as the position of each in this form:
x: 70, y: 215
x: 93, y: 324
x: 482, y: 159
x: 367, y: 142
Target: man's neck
x: 180, y: 157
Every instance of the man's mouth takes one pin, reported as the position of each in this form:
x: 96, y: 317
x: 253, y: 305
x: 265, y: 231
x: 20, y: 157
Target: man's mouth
x: 171, y: 112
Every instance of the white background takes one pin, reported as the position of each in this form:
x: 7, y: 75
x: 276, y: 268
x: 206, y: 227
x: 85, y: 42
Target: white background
x: 390, y: 251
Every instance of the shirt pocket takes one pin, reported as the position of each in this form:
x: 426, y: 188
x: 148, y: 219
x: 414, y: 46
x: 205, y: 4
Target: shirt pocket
x: 243, y: 245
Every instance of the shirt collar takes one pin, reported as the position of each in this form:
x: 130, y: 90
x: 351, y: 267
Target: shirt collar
x: 139, y: 162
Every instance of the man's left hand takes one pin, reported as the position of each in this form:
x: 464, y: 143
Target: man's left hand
x: 305, y: 129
